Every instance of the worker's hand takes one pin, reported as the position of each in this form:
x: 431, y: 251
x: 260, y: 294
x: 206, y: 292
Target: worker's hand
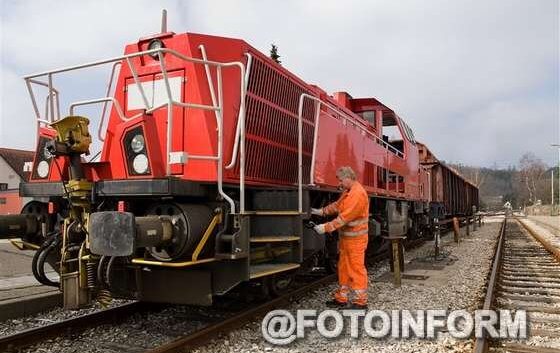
x: 319, y: 228
x: 317, y: 211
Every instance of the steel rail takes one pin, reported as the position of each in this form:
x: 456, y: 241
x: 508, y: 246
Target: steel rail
x: 73, y: 325
x: 202, y: 336
x: 481, y: 344
x: 205, y: 334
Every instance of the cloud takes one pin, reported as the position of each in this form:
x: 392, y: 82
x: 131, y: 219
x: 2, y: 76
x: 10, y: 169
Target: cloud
x: 452, y: 70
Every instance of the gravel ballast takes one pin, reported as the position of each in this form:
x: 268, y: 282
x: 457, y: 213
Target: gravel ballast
x: 470, y: 261
x: 466, y: 290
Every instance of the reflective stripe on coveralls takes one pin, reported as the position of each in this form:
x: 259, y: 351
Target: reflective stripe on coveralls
x: 353, y: 212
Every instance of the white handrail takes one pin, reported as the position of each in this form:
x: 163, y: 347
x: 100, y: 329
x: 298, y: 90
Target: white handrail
x: 233, y: 159
x: 107, y: 94
x: 47, y: 100
x: 217, y: 108
x: 100, y: 100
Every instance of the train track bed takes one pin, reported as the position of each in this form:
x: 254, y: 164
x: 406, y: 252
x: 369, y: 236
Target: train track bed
x: 527, y: 277
x: 150, y: 327
x: 140, y: 328
x: 456, y: 282
x: 153, y: 328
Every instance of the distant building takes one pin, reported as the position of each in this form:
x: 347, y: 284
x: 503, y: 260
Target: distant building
x: 12, y: 165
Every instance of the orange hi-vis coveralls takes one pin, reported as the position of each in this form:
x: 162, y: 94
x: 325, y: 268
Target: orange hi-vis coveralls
x: 352, y: 209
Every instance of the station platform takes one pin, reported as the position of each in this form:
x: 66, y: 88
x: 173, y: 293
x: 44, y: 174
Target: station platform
x: 20, y: 293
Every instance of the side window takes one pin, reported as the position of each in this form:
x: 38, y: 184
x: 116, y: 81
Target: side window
x: 369, y: 116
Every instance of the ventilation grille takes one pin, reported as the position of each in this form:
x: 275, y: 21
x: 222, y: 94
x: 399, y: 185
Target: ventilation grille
x: 369, y: 174
x: 272, y: 123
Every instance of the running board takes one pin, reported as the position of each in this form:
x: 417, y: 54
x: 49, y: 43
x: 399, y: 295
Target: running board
x: 262, y: 270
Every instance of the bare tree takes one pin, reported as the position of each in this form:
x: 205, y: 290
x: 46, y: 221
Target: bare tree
x: 531, y: 170
x: 475, y: 175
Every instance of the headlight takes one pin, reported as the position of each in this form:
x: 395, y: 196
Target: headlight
x: 136, y: 150
x: 140, y: 164
x: 155, y: 44
x: 43, y: 169
x: 137, y: 143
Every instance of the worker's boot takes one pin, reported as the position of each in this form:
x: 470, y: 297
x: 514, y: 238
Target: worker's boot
x: 335, y: 304
x: 359, y: 301
x: 358, y: 306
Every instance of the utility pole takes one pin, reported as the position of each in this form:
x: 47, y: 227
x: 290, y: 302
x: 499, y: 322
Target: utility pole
x: 552, y: 189
x: 557, y: 146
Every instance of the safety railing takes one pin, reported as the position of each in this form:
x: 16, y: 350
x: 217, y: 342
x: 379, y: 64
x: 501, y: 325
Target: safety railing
x: 217, y: 106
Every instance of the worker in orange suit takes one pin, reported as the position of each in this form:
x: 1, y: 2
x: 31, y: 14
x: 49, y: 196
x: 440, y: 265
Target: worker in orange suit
x: 352, y: 210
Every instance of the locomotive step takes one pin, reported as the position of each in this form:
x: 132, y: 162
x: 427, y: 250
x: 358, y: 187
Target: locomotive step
x: 274, y: 238
x: 273, y: 213
x: 262, y: 270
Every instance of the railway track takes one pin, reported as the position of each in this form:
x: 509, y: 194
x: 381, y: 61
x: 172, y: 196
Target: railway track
x: 211, y: 327
x: 525, y: 276
x: 21, y: 341
x: 72, y: 326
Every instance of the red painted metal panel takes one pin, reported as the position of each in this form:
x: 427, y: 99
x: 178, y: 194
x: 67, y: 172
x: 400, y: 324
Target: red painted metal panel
x: 271, y: 126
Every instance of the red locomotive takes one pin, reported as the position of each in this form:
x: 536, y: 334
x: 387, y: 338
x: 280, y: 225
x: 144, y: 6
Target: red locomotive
x: 212, y: 154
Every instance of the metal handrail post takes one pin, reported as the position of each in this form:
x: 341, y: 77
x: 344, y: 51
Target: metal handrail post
x: 241, y: 115
x: 315, y: 137
x: 138, y: 83
x: 33, y: 101
x: 169, y: 114
x: 104, y: 111
x: 300, y: 159
x: 51, y: 103
x: 220, y: 123
x: 99, y: 100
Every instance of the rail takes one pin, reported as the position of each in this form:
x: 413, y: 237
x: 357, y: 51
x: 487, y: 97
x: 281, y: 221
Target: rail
x: 481, y: 343
x: 217, y: 106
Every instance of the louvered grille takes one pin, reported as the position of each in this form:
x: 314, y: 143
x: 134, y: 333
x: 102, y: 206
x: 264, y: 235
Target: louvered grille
x: 271, y: 123
x: 369, y: 174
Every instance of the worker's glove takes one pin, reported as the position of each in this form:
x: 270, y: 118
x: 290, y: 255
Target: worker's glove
x: 320, y: 229
x: 317, y: 211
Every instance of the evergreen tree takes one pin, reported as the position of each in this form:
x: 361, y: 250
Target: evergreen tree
x: 274, y: 54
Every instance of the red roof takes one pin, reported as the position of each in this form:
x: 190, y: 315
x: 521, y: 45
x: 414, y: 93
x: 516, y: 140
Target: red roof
x: 16, y: 160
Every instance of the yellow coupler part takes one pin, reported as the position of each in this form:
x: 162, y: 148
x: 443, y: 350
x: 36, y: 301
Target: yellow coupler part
x: 79, y: 189
x: 73, y: 131
x: 23, y: 245
x: 140, y: 261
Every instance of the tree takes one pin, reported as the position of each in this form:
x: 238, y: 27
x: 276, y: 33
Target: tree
x: 531, y: 170
x: 274, y: 54
x: 475, y: 175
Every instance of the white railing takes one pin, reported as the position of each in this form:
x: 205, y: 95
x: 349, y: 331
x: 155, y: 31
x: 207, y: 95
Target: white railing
x: 217, y: 106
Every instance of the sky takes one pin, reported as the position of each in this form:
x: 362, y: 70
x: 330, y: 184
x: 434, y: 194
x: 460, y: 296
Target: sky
x: 477, y: 80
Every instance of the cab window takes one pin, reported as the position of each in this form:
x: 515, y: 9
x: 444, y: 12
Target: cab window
x: 369, y: 116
